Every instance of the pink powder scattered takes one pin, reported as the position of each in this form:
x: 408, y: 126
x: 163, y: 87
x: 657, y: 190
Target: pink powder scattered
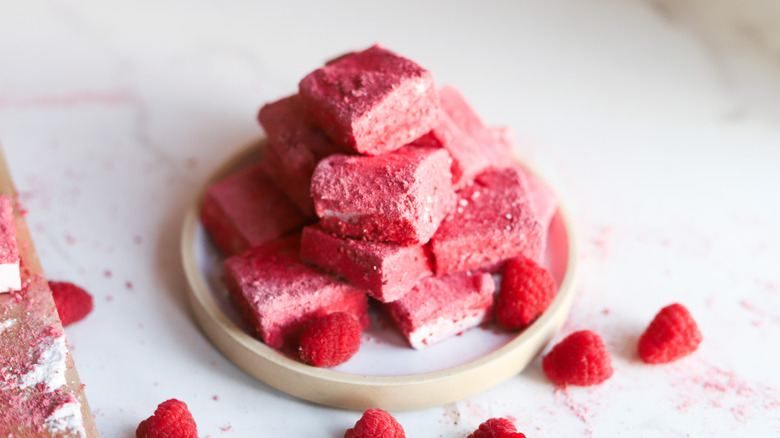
x: 129, y: 285
x: 580, y: 410
x: 227, y: 428
x: 109, y: 298
x: 70, y: 239
x: 759, y: 311
x: 26, y: 338
x: 107, y: 273
x: 452, y: 413
x: 602, y: 241
x: 476, y: 410
x: 722, y: 389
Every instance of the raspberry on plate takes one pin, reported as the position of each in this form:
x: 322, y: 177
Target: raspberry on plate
x: 330, y: 340
x: 73, y: 303
x: 171, y: 419
x: 496, y: 428
x: 376, y: 423
x: 580, y: 359
x: 527, y: 289
x: 673, y: 334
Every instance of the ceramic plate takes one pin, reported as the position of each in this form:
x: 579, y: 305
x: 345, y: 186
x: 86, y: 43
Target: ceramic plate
x: 386, y: 372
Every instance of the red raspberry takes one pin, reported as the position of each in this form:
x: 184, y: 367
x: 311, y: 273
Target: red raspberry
x: 496, y: 428
x: 330, y: 340
x: 671, y: 335
x: 527, y: 289
x: 171, y: 419
x: 580, y: 359
x: 73, y: 303
x: 376, y: 423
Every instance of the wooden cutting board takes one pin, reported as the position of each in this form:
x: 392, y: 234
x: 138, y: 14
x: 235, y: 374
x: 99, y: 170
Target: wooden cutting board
x: 30, y: 330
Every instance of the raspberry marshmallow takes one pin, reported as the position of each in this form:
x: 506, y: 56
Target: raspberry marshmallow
x: 473, y: 146
x: 294, y: 149
x: 439, y: 307
x: 386, y: 270
x: 371, y: 102
x: 278, y: 295
x: 400, y: 197
x: 10, y: 277
x: 246, y: 210
x: 492, y: 221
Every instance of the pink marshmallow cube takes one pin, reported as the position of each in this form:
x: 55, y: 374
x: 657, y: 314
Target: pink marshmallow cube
x: 400, y: 197
x: 246, y: 210
x: 440, y: 307
x: 492, y: 221
x: 278, y: 295
x: 371, y: 102
x: 473, y: 146
x: 386, y: 270
x: 10, y: 276
x: 294, y: 149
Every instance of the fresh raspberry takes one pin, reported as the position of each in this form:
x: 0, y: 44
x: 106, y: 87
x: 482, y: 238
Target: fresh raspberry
x: 580, y: 359
x: 671, y: 335
x: 376, y: 423
x: 73, y: 303
x: 527, y: 289
x: 171, y: 419
x: 496, y: 428
x: 330, y: 340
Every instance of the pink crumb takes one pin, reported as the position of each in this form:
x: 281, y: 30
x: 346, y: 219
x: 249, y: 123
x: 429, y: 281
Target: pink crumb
x: 227, y: 428
x: 129, y: 285
x: 107, y: 273
x: 725, y: 390
x: 70, y: 239
x: 138, y: 239
x: 215, y: 398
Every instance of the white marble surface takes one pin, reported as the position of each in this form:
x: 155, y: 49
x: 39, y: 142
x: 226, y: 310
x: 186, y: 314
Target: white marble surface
x: 658, y: 121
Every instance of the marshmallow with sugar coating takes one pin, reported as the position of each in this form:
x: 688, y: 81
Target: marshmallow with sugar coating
x: 371, y: 102
x: 400, y: 197
x: 492, y: 221
x: 386, y: 270
x: 278, y: 295
x: 440, y: 307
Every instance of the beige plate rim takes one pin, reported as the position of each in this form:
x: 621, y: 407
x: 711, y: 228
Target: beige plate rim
x: 360, y: 392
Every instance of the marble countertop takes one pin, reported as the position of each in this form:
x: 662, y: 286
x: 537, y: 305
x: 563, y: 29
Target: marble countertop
x: 658, y: 122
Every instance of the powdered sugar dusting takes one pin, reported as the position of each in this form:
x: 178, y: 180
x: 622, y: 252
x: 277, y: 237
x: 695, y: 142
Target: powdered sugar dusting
x: 49, y: 369
x: 67, y: 418
x: 7, y: 324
